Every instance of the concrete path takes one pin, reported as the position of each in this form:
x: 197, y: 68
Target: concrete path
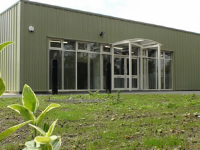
x: 122, y: 92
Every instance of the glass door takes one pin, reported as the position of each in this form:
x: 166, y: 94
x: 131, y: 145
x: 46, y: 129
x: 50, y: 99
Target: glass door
x: 121, y: 73
x: 135, y: 73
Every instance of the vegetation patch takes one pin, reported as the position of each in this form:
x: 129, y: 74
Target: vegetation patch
x: 113, y: 121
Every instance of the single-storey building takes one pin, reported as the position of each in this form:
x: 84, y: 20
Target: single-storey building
x: 142, y: 56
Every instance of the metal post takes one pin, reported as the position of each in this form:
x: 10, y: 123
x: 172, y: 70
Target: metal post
x: 54, y: 78
x: 108, y: 77
x: 130, y: 66
x: 159, y: 68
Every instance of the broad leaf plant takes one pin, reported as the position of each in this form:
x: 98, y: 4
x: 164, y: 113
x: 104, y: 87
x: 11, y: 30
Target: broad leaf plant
x: 27, y: 110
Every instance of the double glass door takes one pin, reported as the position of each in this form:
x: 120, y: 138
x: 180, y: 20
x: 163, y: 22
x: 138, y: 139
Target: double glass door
x: 121, y: 73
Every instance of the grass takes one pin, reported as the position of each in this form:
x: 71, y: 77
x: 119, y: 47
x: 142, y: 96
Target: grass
x: 120, y: 121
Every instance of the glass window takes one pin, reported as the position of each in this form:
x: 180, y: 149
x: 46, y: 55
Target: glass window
x: 119, y: 82
x: 106, y: 48
x: 55, y: 43
x: 69, y: 45
x: 82, y: 46
x: 152, y: 73
x: 55, y: 54
x: 162, y: 74
x: 95, y: 71
x: 134, y: 67
x: 106, y: 59
x: 168, y: 55
x: 121, y: 49
x: 145, y: 74
x: 134, y: 83
x: 144, y: 52
x: 135, y: 51
x: 151, y: 53
x: 82, y: 70
x: 69, y: 70
x: 119, y: 66
x: 95, y: 47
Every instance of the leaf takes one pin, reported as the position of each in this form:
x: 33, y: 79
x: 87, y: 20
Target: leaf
x: 42, y: 140
x: 56, y: 142
x: 46, y: 147
x: 2, y: 86
x: 42, y: 115
x: 26, y: 113
x: 2, y: 46
x: 31, y: 145
x: 39, y: 129
x: 10, y: 130
x: 29, y: 99
x: 51, y: 128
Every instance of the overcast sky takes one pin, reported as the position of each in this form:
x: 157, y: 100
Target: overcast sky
x: 180, y: 14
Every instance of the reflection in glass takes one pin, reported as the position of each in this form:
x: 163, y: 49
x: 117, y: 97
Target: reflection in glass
x: 119, y: 66
x: 135, y: 51
x: 162, y: 74
x: 168, y: 74
x: 69, y: 45
x: 106, y: 48
x: 152, y: 73
x: 95, y: 71
x: 134, y: 67
x: 168, y: 55
x: 56, y: 44
x: 69, y: 70
x: 121, y: 49
x: 145, y: 74
x: 151, y: 53
x: 82, y: 70
x: 134, y: 83
x: 94, y: 47
x: 106, y: 59
x: 82, y: 46
x: 119, y: 82
x: 55, y: 54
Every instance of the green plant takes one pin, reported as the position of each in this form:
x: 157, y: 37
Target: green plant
x: 27, y: 111
x: 2, y: 84
x: 46, y: 141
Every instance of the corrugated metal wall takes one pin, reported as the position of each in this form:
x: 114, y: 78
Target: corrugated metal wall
x: 10, y: 56
x: 61, y: 23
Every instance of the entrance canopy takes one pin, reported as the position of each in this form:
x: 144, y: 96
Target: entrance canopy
x: 128, y: 46
x: 143, y: 43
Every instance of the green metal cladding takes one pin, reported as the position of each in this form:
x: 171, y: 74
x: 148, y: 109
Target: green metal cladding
x: 10, y: 56
x: 50, y: 21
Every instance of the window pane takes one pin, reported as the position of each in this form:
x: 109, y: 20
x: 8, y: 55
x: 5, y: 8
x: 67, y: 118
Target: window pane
x: 145, y: 74
x: 121, y: 49
x: 168, y: 74
x: 119, y: 66
x: 168, y: 55
x: 82, y: 70
x: 82, y: 46
x: 69, y: 45
x: 69, y: 70
x: 55, y: 43
x: 106, y: 48
x: 95, y: 47
x: 134, y: 66
x: 134, y: 83
x: 152, y: 73
x: 162, y: 73
x: 106, y: 59
x: 119, y: 82
x: 135, y: 51
x: 151, y: 53
x: 95, y: 71
x: 55, y: 54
